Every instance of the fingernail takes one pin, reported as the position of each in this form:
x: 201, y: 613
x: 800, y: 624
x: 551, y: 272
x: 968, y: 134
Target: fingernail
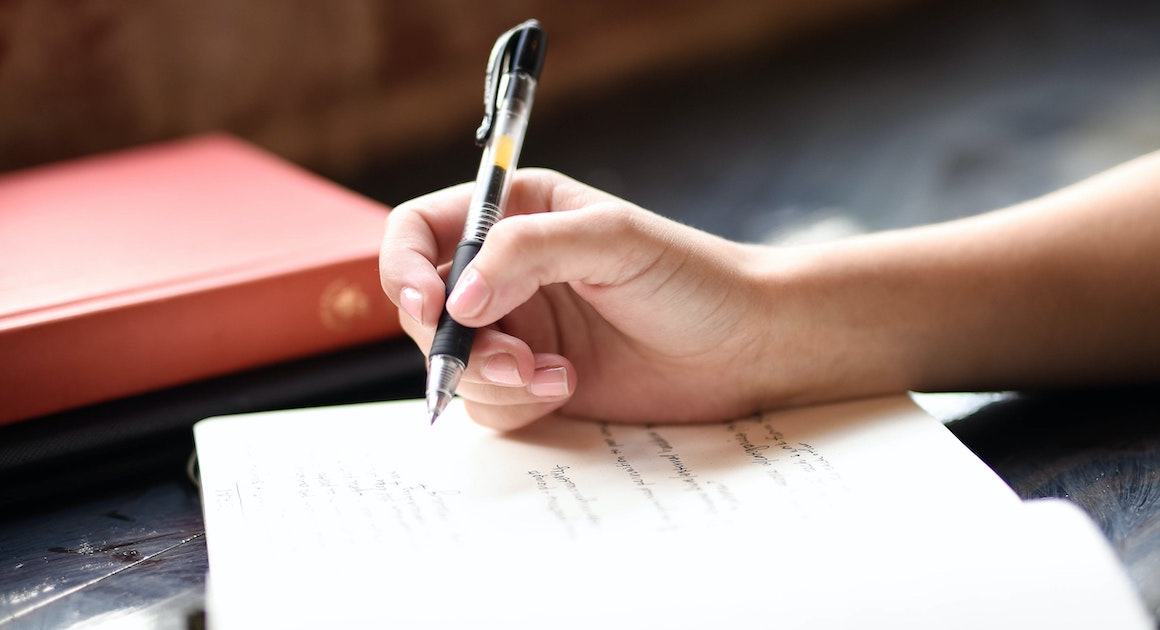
x: 550, y: 382
x: 502, y: 369
x: 470, y: 294
x: 412, y: 302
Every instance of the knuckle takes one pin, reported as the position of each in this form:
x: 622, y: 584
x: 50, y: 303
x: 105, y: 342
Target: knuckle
x: 520, y: 236
x: 620, y: 217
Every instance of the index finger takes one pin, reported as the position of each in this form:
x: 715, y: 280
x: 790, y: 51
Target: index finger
x: 420, y: 235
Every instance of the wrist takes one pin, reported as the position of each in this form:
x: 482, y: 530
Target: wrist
x: 834, y: 323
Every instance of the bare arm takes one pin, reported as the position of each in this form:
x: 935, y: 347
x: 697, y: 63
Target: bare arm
x: 1061, y: 290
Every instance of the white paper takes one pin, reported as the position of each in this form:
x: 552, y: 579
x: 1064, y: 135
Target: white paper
x: 859, y: 513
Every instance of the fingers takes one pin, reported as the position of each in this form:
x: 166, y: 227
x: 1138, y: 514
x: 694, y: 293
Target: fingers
x: 418, y: 234
x: 506, y: 385
x: 506, y: 408
x: 422, y: 233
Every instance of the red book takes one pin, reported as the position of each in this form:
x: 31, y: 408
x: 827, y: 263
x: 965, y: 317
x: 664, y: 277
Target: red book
x: 133, y: 271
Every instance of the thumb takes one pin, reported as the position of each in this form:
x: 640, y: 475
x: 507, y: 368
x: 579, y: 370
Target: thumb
x: 607, y: 244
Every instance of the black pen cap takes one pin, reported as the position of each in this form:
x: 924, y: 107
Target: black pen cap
x: 528, y: 49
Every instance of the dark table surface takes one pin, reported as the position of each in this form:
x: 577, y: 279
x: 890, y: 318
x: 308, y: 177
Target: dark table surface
x: 941, y: 111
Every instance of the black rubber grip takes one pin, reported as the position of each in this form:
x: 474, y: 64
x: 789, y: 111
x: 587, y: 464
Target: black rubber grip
x: 451, y: 337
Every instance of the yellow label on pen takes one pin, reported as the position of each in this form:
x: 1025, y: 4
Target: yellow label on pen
x: 504, y: 146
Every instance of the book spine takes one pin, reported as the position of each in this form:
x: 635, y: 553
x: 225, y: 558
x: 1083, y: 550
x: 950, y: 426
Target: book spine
x: 160, y: 343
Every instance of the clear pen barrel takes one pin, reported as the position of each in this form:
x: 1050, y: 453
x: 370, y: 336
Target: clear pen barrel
x: 500, y: 155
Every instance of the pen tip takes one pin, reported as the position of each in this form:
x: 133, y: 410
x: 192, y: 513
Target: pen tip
x: 437, y: 401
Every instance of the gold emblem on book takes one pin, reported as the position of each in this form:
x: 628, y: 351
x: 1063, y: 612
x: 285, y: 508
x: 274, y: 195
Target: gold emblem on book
x: 342, y: 302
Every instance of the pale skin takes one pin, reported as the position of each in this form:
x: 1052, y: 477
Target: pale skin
x: 593, y: 307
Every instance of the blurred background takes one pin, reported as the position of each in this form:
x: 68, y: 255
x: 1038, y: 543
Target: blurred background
x: 758, y: 120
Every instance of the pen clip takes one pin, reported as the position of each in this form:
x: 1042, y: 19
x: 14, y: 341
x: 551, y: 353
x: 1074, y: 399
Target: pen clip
x: 501, y: 60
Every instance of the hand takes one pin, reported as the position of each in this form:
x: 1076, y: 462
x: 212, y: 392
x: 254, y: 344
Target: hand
x: 587, y: 304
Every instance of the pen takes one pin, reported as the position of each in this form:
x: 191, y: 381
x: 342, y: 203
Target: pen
x: 512, y: 72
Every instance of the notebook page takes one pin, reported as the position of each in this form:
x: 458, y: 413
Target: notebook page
x: 361, y: 505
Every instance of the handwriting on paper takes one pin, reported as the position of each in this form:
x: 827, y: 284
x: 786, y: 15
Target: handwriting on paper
x: 582, y: 478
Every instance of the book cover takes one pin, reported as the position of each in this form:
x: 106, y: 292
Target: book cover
x: 128, y: 272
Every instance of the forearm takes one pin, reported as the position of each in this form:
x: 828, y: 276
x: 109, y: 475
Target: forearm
x: 1058, y: 291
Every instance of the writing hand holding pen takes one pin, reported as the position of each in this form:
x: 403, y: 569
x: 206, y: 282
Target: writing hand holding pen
x: 586, y: 304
